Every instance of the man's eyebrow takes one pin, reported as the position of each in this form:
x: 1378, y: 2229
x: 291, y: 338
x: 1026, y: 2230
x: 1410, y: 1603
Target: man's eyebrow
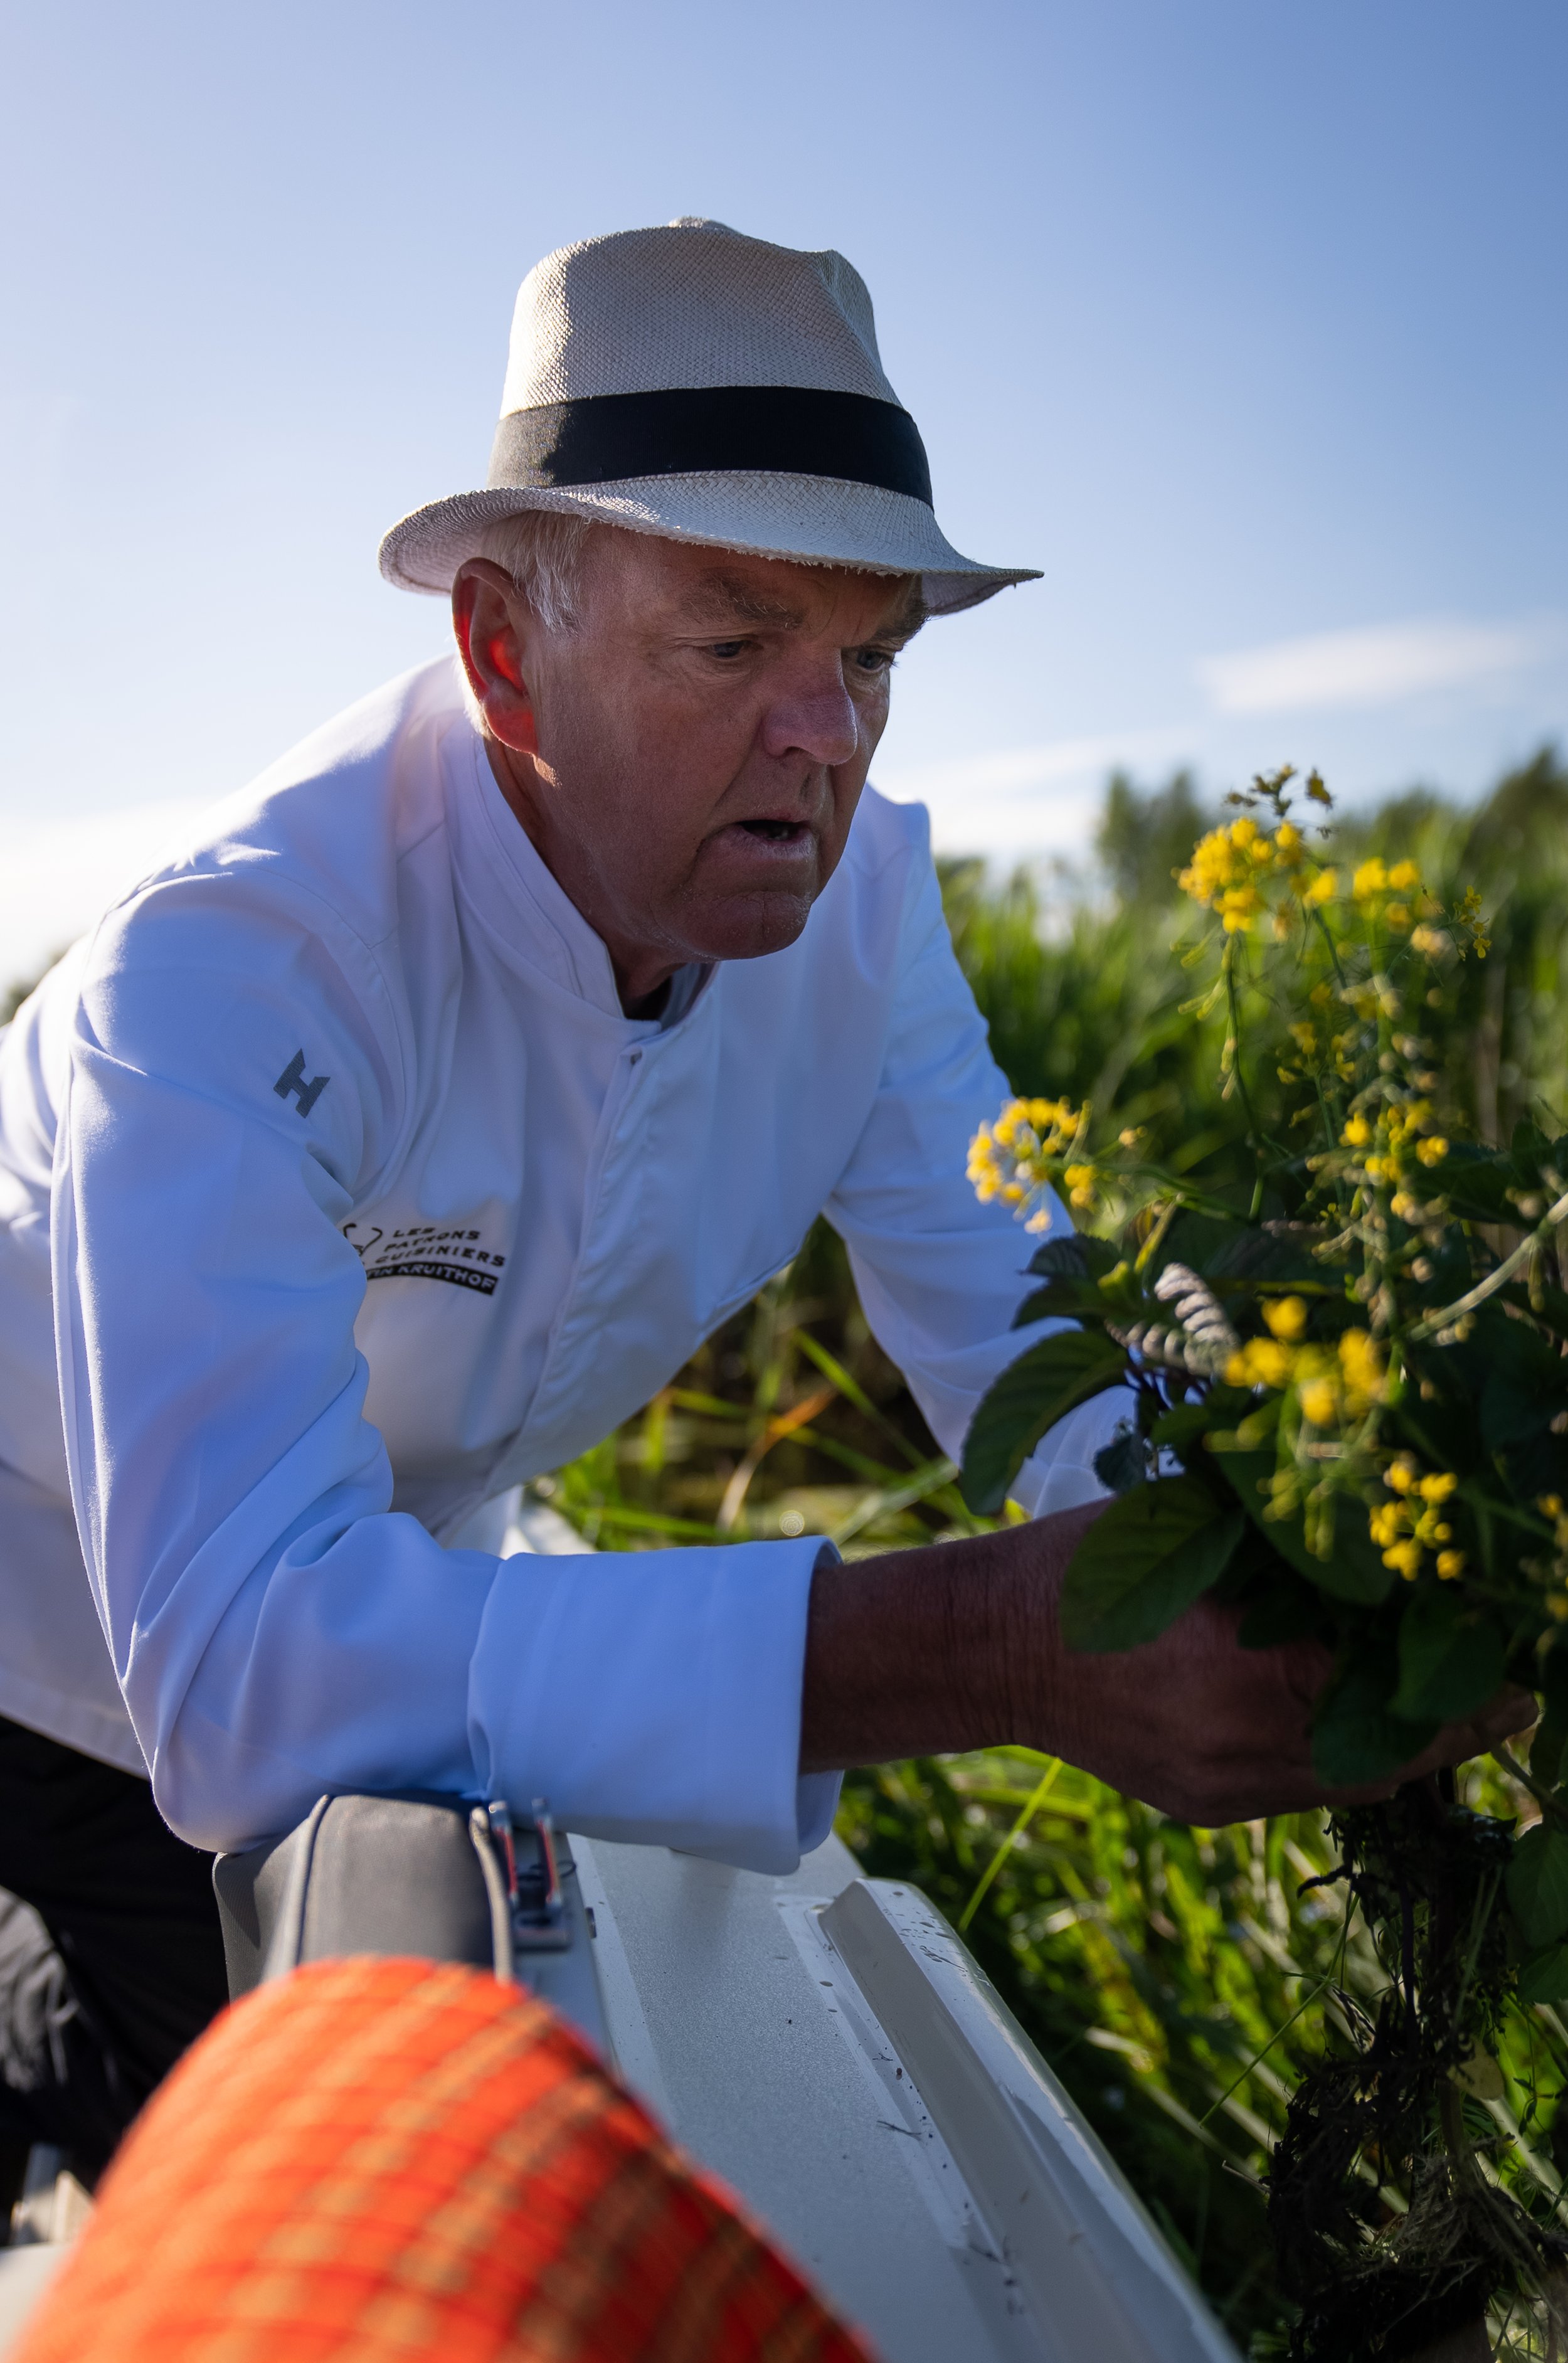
x: 911, y: 616
x: 723, y: 599
x: 719, y: 598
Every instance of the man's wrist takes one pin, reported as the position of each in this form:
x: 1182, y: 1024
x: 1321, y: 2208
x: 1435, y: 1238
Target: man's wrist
x: 938, y: 1650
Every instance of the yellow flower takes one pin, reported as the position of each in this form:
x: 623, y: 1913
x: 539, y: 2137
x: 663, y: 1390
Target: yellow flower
x: 1428, y: 942
x: 1400, y: 1475
x: 1080, y: 1181
x: 1450, y: 1564
x: 1397, y: 915
x: 1014, y: 1159
x: 1407, y: 1208
x: 1557, y: 1605
x: 1550, y: 1505
x: 1238, y: 910
x: 1438, y: 1487
x: 1319, y: 1402
x: 984, y: 1171
x: 1406, y: 1559
x: 1228, y: 864
x: 1362, y: 1362
x: 1433, y: 1151
x: 1371, y: 879
x: 1404, y: 878
x: 1357, y: 1133
x: 1287, y: 1319
x: 1323, y: 889
x: 1470, y: 917
x: 1260, y: 1362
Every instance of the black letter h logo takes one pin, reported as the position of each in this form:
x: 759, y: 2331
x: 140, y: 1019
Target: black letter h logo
x: 293, y: 1079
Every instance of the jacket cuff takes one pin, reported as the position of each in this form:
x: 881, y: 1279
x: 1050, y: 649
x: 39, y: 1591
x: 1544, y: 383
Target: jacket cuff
x: 654, y: 1698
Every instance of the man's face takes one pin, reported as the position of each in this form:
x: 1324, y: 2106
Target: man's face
x: 688, y: 757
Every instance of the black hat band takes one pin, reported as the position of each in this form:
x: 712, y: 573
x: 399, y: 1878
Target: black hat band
x: 790, y: 431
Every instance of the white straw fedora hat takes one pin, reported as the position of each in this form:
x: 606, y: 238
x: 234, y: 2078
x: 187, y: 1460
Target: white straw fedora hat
x: 693, y: 383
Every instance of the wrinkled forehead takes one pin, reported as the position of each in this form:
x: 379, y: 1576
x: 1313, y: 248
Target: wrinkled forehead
x: 708, y: 589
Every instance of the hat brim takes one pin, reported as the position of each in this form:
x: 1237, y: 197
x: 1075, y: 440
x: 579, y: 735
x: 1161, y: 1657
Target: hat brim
x: 813, y: 520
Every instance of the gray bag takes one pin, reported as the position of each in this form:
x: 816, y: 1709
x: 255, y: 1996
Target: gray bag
x: 424, y: 1875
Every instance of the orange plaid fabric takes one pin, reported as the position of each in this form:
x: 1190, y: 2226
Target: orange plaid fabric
x: 389, y: 2159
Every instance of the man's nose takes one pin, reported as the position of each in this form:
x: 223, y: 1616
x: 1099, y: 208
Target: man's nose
x: 814, y: 716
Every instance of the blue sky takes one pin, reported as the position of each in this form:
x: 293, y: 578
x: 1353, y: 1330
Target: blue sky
x: 1246, y: 323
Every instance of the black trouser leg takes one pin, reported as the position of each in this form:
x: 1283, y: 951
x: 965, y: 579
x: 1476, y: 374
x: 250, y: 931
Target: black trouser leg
x: 132, y: 1968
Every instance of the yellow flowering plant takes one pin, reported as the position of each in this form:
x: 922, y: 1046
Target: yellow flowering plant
x: 1347, y: 1417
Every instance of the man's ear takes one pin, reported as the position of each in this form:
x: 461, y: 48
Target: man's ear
x: 492, y: 622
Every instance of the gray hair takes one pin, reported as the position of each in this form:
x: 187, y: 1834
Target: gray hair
x: 542, y: 550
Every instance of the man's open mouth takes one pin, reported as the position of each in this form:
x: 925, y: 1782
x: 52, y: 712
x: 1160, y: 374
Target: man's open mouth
x: 778, y: 832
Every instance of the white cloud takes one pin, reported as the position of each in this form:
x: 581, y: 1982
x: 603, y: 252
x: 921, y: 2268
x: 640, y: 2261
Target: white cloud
x: 60, y: 875
x: 1375, y: 667
x: 1019, y: 801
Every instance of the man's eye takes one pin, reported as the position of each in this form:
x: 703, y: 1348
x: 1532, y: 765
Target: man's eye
x: 872, y: 660
x: 727, y: 648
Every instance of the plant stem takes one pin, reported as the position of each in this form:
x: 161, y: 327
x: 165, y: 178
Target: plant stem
x: 1543, y: 1797
x: 1493, y: 1279
x: 1232, y: 1005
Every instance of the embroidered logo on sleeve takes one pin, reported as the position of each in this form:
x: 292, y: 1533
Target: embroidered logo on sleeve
x: 293, y: 1079
x: 454, y: 1252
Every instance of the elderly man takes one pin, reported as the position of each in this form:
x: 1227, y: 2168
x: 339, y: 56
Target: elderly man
x: 412, y: 1127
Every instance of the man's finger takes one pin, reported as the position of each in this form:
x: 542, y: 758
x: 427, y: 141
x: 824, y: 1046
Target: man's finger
x: 1510, y: 1715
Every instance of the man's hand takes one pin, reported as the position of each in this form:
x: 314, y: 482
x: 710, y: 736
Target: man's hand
x: 922, y: 1652
x: 1212, y: 1733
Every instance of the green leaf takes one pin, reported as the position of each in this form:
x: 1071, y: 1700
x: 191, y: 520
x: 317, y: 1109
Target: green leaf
x: 1182, y: 1428
x: 1031, y: 1395
x: 1479, y: 2073
x: 1527, y: 1144
x: 1281, y: 1608
x: 1074, y: 1255
x: 1544, y: 1976
x: 1355, y: 1570
x: 1475, y: 1183
x: 1527, y: 1385
x: 1236, y: 1251
x: 1072, y: 1267
x: 1524, y: 1389
x: 1356, y: 1737
x: 1538, y: 1885
x: 1153, y: 1552
x: 1546, y: 1748
x: 1062, y: 1300
x: 1450, y: 1656
x: 1122, y: 1463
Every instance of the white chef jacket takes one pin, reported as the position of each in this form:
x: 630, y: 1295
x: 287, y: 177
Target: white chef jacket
x: 337, y: 1194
